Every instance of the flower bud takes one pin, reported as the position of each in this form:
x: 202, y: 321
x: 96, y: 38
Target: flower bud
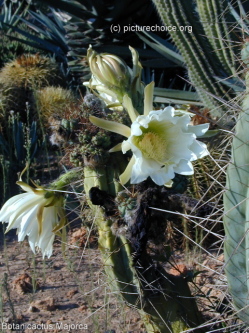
x: 112, y: 79
x: 110, y: 71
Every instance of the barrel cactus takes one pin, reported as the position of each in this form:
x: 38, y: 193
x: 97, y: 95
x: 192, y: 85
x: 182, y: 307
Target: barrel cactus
x: 20, y: 77
x: 54, y: 103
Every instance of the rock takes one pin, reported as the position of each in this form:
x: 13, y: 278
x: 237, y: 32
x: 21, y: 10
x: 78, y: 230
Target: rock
x: 71, y: 293
x: 79, y: 237
x: 46, y: 304
x: 32, y: 309
x: 83, y: 307
x: 179, y: 270
x: 24, y: 284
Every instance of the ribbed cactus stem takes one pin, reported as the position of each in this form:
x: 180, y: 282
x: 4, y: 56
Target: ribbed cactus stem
x: 212, y: 15
x: 236, y: 217
x: 163, y: 301
x: 201, y: 60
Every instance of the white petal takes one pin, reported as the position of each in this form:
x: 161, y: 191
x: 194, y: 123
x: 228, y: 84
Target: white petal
x: 50, y: 220
x: 7, y: 208
x: 142, y: 169
x: 184, y: 167
x: 162, y: 177
x: 135, y: 129
x: 198, y: 130
x: 16, y: 224
x: 33, y: 236
x: 125, y: 146
x: 182, y: 122
x: 179, y: 145
x: 28, y: 222
x: 142, y: 121
x: 28, y: 203
x: 49, y: 248
x: 199, y: 149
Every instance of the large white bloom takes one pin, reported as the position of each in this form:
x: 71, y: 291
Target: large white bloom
x: 38, y: 214
x: 163, y: 142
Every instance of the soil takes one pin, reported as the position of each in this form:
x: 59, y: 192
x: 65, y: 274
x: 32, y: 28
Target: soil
x: 60, y: 294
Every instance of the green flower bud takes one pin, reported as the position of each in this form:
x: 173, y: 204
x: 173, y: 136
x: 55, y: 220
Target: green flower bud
x: 109, y: 70
x: 112, y: 79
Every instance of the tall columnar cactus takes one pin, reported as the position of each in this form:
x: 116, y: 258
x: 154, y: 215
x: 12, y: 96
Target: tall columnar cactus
x: 206, y: 50
x: 237, y: 214
x: 213, y: 18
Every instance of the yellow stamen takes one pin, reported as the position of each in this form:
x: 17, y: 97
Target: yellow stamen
x: 153, y: 146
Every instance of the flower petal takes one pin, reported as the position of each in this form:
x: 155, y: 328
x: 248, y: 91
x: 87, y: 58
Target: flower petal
x: 7, y: 208
x: 27, y: 223
x: 198, y: 130
x: 127, y: 104
x: 46, y: 238
x: 148, y: 98
x: 184, y: 167
x: 161, y: 177
x: 118, y: 147
x: 125, y: 146
x: 111, y: 126
x: 199, y: 149
x: 28, y: 203
x: 126, y: 175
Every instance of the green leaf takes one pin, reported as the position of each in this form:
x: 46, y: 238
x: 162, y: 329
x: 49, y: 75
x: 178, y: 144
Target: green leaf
x: 163, y: 47
x: 163, y: 95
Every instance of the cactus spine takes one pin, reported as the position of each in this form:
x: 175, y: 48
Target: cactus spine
x: 237, y: 214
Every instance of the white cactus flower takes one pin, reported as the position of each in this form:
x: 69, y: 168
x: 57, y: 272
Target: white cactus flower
x: 38, y: 214
x: 163, y: 142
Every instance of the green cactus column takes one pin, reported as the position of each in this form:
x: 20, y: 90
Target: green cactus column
x: 236, y: 218
x: 203, y: 60
x: 171, y: 308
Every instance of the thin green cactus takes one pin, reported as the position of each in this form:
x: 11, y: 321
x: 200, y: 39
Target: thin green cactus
x: 236, y: 215
x: 206, y: 57
x: 213, y: 17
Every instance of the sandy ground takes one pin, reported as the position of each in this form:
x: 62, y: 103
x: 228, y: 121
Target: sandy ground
x: 59, y: 294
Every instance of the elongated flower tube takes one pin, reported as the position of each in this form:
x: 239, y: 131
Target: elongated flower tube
x: 38, y: 214
x: 163, y: 142
x: 112, y: 78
